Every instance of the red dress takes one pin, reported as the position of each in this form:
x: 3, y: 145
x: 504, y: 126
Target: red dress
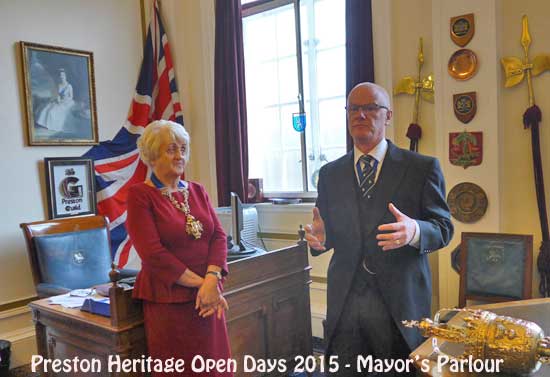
x: 157, y: 230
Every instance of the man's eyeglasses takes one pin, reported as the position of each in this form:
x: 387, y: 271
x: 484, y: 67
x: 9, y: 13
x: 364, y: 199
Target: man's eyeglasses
x: 368, y: 108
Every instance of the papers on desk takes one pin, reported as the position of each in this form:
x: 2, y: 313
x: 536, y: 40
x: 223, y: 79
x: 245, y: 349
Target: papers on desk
x: 96, y: 305
x: 73, y: 299
x: 67, y: 301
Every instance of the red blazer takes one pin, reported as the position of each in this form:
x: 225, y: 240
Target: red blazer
x: 157, y: 230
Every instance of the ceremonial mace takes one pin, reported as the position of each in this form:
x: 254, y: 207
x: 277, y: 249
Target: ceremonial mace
x: 515, y: 69
x: 520, y: 344
x: 422, y: 87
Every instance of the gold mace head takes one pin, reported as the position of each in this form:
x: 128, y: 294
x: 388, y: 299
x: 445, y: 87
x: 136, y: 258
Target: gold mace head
x: 485, y: 335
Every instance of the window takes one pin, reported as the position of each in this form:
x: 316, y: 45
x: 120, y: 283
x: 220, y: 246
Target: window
x: 293, y: 63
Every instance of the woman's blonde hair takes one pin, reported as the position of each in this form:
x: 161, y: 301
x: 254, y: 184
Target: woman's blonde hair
x: 149, y: 141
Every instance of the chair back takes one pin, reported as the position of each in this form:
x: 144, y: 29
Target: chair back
x: 495, y: 267
x: 68, y: 253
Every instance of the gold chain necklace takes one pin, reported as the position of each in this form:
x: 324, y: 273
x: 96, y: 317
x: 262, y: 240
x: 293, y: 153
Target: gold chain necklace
x: 193, y: 227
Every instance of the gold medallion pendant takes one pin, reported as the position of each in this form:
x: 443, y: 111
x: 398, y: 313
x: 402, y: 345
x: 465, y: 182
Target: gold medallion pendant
x: 193, y: 227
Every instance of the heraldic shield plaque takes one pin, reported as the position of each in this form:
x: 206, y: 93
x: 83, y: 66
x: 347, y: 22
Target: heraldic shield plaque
x: 465, y: 106
x: 462, y: 29
x: 466, y: 148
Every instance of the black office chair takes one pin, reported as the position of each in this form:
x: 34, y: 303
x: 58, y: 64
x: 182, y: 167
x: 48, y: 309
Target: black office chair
x: 70, y: 253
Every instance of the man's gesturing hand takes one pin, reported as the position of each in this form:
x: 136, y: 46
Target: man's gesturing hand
x: 315, y: 233
x: 400, y: 233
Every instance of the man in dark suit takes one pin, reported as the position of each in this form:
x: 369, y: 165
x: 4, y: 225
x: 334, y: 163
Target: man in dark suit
x: 382, y: 209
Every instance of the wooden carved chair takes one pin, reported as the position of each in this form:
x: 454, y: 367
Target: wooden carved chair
x: 495, y: 267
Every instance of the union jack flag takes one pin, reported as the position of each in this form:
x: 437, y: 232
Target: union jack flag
x: 117, y: 162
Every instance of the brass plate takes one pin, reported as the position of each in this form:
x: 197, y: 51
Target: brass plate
x: 468, y: 202
x: 462, y: 64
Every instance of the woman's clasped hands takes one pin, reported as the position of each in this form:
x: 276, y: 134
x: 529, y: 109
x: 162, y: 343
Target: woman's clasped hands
x: 209, y: 298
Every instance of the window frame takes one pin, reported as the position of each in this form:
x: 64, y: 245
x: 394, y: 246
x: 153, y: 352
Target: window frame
x: 260, y: 6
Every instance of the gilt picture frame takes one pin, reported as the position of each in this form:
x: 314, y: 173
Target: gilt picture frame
x: 59, y: 91
x: 70, y: 186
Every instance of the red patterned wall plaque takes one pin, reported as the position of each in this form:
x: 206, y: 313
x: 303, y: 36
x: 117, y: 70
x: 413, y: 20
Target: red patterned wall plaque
x: 466, y: 148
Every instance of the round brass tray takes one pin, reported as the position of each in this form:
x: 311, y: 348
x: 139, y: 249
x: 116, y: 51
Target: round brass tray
x: 462, y: 64
x: 468, y: 202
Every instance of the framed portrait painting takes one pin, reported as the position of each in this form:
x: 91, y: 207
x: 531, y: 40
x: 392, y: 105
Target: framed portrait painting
x: 59, y: 95
x: 495, y: 267
x: 70, y: 186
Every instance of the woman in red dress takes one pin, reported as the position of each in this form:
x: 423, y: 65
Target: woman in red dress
x: 183, y: 253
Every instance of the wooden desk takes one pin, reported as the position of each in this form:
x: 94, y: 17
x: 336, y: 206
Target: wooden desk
x: 534, y: 310
x: 67, y: 333
x: 269, y: 317
x: 269, y: 308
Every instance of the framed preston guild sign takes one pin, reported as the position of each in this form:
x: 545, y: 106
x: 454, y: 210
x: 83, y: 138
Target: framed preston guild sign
x: 70, y: 186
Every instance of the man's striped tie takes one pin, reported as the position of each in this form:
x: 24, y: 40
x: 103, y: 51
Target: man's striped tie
x: 366, y: 170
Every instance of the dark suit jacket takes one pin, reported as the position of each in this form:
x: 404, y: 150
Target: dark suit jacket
x: 415, y: 185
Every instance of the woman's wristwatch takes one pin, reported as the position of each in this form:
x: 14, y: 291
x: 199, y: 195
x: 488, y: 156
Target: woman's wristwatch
x: 217, y: 274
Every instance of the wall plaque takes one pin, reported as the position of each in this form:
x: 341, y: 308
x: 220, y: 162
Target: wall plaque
x: 462, y: 29
x: 466, y: 148
x: 462, y: 64
x: 465, y: 106
x: 468, y: 202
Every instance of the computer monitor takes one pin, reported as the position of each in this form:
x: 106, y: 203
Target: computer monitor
x: 249, y: 229
x: 240, y: 223
x: 237, y: 223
